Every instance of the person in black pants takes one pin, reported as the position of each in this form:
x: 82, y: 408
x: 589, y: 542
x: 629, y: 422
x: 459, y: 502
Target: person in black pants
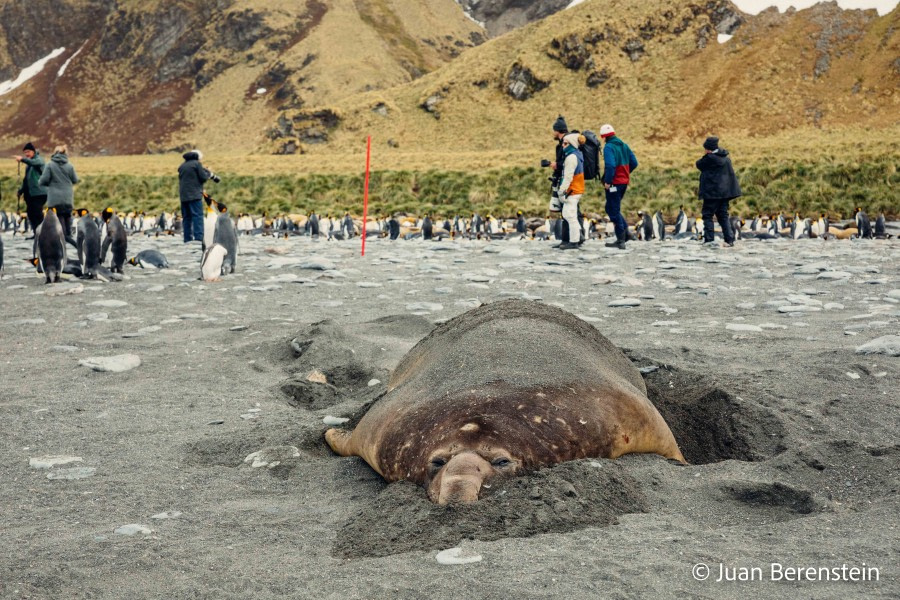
x: 35, y: 194
x: 718, y: 186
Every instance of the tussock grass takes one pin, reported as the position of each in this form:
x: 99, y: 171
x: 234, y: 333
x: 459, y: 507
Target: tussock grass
x: 809, y: 187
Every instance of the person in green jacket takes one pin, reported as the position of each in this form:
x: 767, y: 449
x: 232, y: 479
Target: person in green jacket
x: 59, y: 177
x: 35, y: 194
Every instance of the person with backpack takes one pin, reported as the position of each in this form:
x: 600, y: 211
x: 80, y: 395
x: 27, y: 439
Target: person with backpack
x: 718, y: 186
x: 571, y: 188
x: 618, y: 161
x: 35, y: 194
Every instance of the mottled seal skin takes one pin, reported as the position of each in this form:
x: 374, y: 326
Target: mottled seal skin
x: 469, y: 402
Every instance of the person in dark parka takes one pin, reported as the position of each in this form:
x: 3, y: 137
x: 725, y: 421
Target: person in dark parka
x: 191, y: 177
x: 59, y: 179
x: 35, y: 194
x: 718, y: 186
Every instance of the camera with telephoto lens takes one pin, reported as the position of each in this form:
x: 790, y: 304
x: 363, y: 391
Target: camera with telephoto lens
x: 215, y: 178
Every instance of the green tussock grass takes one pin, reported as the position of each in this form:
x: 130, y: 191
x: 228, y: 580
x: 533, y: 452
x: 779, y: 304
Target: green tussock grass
x: 810, y: 188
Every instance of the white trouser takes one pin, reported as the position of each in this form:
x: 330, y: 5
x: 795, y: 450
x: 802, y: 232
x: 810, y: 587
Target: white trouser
x: 570, y: 214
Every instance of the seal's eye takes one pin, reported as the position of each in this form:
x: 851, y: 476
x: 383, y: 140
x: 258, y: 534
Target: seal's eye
x: 501, y: 462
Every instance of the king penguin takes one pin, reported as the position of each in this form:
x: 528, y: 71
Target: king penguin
x: 87, y: 240
x: 51, y: 243
x: 115, y: 237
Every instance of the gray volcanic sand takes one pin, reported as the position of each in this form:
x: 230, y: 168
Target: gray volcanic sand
x: 792, y: 436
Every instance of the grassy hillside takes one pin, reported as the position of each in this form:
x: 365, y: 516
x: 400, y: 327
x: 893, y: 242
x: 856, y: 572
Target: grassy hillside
x: 652, y: 68
x: 168, y: 73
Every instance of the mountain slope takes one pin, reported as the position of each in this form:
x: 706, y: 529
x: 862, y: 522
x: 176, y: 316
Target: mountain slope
x: 654, y: 70
x: 163, y: 73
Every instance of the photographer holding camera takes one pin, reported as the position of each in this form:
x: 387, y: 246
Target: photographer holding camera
x: 191, y: 177
x: 558, y: 194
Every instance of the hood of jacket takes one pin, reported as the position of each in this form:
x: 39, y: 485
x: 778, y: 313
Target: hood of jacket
x: 719, y: 155
x: 60, y: 159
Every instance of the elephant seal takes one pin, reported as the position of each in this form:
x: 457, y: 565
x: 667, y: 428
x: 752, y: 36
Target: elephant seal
x: 467, y: 404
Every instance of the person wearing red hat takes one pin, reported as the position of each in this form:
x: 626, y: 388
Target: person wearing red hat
x: 619, y: 161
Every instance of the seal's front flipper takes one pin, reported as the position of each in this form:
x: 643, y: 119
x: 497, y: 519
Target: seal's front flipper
x: 339, y: 440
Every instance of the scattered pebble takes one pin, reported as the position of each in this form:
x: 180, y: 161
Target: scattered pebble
x: 373, y: 382
x: 625, y: 302
x: 457, y: 556
x: 271, y: 457
x: 888, y: 344
x: 66, y: 289
x: 648, y: 370
x: 65, y: 348
x: 317, y: 377
x: 72, y: 473
x: 112, y: 364
x: 743, y: 327
x: 109, y: 303
x: 852, y: 375
x: 172, y: 514
x: 45, y: 462
x: 133, y: 529
x: 239, y: 328
x: 425, y: 306
x: 329, y: 420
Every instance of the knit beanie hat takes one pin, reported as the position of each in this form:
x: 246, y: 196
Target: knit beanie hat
x: 29, y: 146
x: 560, y: 125
x: 711, y: 143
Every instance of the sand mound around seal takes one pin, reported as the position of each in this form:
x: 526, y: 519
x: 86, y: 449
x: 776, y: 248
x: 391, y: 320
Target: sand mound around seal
x: 570, y: 496
x: 332, y: 364
x: 709, y: 423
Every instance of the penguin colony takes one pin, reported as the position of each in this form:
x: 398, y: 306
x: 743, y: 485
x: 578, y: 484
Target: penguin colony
x: 106, y: 234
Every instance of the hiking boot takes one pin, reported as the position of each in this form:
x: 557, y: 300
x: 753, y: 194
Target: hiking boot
x: 568, y: 246
x: 620, y: 244
x: 728, y: 245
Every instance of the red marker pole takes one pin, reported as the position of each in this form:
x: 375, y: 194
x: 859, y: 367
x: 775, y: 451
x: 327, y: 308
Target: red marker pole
x: 366, y: 193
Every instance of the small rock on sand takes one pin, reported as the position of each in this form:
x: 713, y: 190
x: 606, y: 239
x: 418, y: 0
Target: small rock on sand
x: 109, y: 303
x: 743, y: 327
x: 72, y: 473
x: 45, y: 462
x: 65, y: 348
x: 318, y: 264
x: 132, y: 529
x: 271, y: 457
x: 625, y: 302
x: 833, y: 275
x: 112, y: 364
x: 425, y: 306
x: 329, y: 420
x: 888, y: 344
x: 457, y: 556
x: 66, y: 289
x: 170, y: 514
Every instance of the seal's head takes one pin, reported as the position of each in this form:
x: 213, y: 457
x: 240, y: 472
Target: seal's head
x: 459, y: 472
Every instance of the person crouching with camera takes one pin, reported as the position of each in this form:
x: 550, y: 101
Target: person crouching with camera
x: 191, y: 177
x: 560, y: 130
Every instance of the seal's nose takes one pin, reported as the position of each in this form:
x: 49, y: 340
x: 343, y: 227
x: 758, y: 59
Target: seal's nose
x: 462, y: 478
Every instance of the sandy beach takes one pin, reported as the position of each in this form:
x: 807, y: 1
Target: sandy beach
x: 751, y: 354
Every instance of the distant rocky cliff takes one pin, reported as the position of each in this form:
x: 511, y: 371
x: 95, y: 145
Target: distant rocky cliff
x: 500, y: 16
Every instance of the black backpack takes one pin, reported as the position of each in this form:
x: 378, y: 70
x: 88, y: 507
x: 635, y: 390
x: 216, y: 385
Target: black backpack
x: 591, y: 153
